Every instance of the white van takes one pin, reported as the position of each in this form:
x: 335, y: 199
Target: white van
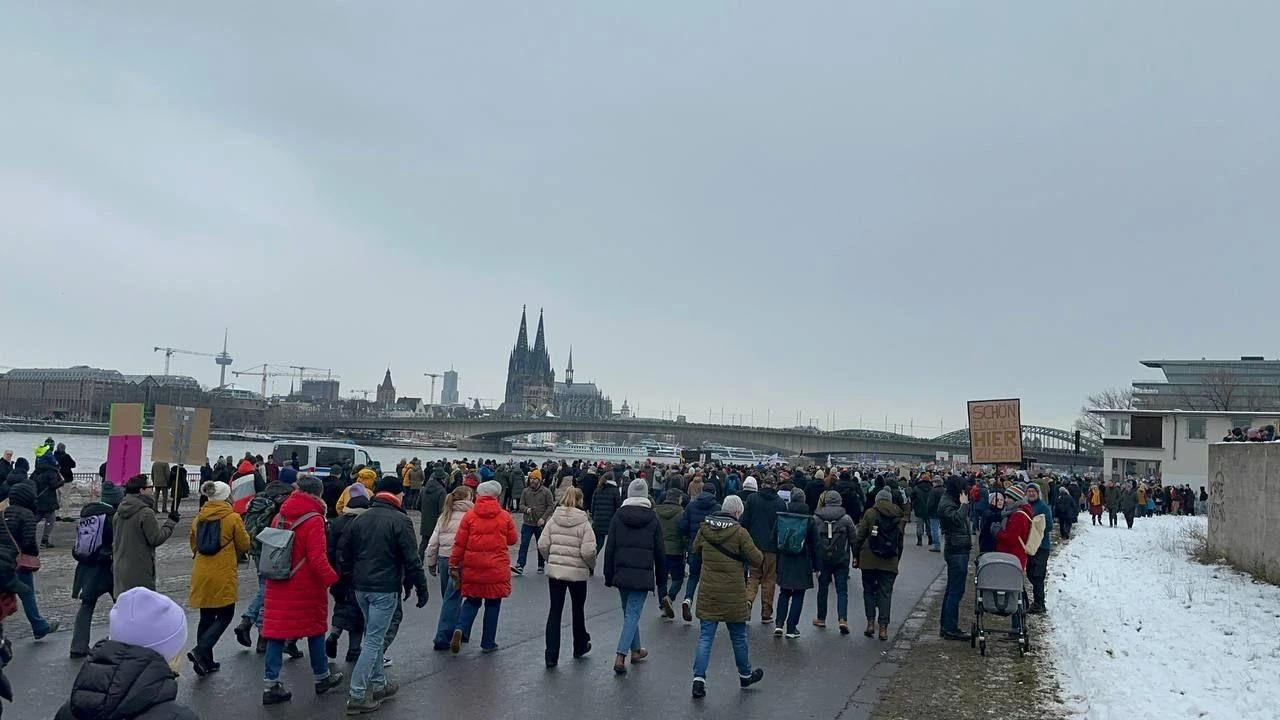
x: 317, y: 456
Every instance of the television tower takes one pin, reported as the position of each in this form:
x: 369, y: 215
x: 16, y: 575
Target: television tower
x: 223, y: 359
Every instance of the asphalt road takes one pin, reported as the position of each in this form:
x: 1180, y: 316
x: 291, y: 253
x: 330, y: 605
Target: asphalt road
x: 820, y: 675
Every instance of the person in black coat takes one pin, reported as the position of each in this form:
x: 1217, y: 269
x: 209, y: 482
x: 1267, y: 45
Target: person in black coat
x: 1065, y: 510
x: 633, y: 563
x: 760, y: 518
x: 851, y: 496
x: 94, y: 577
x: 47, y: 479
x: 6, y: 465
x: 990, y: 522
x: 605, y: 503
x: 19, y: 528
x: 795, y: 572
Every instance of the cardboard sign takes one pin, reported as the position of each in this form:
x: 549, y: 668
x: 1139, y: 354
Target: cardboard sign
x: 124, y: 444
x: 995, y: 431
x: 182, y: 435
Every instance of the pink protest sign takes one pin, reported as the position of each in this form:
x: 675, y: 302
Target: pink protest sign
x: 124, y: 445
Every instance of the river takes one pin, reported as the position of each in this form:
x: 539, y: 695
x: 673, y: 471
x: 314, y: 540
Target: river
x: 90, y: 451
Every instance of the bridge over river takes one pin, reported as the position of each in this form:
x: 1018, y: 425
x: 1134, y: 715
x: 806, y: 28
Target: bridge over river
x: 1049, y: 445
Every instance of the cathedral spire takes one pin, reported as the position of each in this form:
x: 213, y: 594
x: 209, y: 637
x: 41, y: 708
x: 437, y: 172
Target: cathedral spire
x: 522, y: 340
x: 568, y: 372
x: 540, y: 343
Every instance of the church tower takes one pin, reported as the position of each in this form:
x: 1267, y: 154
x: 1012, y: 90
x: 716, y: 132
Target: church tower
x: 387, y: 391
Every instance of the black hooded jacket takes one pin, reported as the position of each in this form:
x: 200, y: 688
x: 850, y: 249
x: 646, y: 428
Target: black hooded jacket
x: 20, y: 519
x: 634, y: 557
x: 124, y: 682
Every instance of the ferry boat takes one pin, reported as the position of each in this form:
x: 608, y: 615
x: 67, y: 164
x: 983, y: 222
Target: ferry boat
x: 733, y: 455
x: 522, y: 446
x: 598, y: 451
x: 660, y: 450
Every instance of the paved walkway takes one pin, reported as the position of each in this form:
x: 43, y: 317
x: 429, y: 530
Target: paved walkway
x: 821, y: 675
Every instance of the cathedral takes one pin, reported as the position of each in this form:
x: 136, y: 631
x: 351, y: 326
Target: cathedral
x: 531, y: 383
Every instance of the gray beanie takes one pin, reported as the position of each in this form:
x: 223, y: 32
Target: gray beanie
x: 797, y: 495
x: 492, y: 488
x: 111, y: 493
x: 832, y: 498
x: 638, y: 489
x: 884, y: 495
x: 733, y: 505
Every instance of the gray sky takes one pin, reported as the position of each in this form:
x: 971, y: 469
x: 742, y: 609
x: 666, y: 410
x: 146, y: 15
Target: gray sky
x: 865, y: 209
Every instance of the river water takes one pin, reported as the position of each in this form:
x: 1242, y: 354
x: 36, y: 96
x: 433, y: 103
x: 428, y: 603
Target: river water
x: 90, y: 451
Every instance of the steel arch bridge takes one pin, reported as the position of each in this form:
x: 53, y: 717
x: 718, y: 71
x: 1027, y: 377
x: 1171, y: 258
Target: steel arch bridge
x: 1035, y: 437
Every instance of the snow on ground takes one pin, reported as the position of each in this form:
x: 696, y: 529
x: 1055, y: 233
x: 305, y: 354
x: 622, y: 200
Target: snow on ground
x: 1140, y: 630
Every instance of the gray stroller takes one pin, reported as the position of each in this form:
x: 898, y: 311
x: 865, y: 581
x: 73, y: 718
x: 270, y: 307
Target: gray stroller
x: 999, y: 585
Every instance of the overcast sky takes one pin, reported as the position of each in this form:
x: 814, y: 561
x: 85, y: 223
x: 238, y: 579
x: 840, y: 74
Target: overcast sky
x: 864, y: 209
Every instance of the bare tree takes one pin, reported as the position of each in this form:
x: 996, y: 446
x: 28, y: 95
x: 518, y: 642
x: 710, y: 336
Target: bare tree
x: 1090, y: 425
x: 1222, y: 390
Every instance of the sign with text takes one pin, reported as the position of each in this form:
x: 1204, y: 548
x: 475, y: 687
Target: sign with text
x: 181, y: 436
x: 995, y: 432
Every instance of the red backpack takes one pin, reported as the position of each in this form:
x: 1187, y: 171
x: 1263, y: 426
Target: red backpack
x: 975, y: 494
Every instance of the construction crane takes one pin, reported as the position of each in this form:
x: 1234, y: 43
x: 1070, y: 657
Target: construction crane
x: 365, y: 393
x: 263, y: 371
x: 328, y: 374
x: 267, y: 370
x: 432, y: 400
x: 169, y: 352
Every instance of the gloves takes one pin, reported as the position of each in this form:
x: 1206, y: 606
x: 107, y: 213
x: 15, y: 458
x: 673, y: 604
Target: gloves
x: 433, y: 570
x: 174, y: 516
x: 454, y: 576
x: 408, y: 589
x: 422, y: 597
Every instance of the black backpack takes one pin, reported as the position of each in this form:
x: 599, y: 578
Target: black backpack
x: 886, y: 537
x: 833, y: 543
x: 209, y: 537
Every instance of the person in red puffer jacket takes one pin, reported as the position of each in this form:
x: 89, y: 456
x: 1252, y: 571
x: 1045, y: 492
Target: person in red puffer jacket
x: 482, y: 563
x: 299, y: 607
x: 1012, y: 538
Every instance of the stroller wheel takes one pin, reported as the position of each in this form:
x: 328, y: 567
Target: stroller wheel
x: 973, y: 635
x: 1026, y: 642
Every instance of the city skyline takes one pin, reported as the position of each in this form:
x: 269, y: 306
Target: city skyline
x: 862, y: 210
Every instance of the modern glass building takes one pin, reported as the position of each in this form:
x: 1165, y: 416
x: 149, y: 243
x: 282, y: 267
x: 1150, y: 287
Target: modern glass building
x: 1250, y: 383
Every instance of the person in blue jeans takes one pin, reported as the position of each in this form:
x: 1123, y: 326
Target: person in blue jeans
x: 379, y: 552
x: 935, y: 523
x: 702, y: 502
x: 836, y: 533
x: 480, y: 553
x: 723, y: 546
x: 19, y: 530
x: 439, y: 547
x: 538, y: 502
x: 953, y: 518
x: 634, y: 564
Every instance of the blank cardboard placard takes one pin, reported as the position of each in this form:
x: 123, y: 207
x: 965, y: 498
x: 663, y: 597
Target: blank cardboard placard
x: 182, y: 435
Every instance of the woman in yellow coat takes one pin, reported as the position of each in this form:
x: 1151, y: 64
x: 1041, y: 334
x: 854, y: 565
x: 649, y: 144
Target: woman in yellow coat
x: 366, y: 477
x: 217, y: 538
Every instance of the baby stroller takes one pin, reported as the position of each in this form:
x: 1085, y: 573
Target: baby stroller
x: 999, y: 588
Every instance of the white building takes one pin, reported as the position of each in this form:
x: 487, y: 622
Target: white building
x: 1171, y: 444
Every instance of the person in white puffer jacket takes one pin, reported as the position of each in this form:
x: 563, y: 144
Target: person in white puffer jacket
x: 569, y: 546
x: 439, y: 548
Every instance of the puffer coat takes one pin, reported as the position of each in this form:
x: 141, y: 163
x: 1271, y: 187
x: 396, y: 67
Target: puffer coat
x: 604, y: 504
x: 722, y: 591
x: 633, y: 559
x: 214, y: 578
x: 442, y: 538
x: 568, y: 544
x: 669, y: 512
x: 480, y: 550
x: 299, y: 607
x: 124, y: 682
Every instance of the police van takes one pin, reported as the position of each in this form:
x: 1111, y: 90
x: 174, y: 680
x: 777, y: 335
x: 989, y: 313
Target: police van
x: 317, y: 456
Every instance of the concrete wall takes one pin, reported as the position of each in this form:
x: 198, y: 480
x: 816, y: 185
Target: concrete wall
x: 1244, y: 506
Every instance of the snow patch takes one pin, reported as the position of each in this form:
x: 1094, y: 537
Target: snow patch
x: 1138, y: 629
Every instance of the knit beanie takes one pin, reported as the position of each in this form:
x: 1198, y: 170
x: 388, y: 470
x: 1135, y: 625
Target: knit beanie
x: 148, y: 619
x: 733, y: 505
x: 111, y: 493
x: 832, y: 498
x: 638, y: 489
x: 884, y: 495
x: 490, y: 488
x: 288, y: 475
x: 356, y: 490
x: 1015, y: 493
x: 216, y: 490
x: 389, y: 484
x: 750, y: 484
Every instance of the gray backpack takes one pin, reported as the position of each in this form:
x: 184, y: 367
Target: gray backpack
x: 276, y: 560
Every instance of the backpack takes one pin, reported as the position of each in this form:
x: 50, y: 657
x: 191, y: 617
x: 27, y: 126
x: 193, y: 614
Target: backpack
x: 792, y: 530
x: 732, y: 484
x: 276, y: 560
x: 89, y: 537
x: 262, y: 511
x: 209, y: 537
x: 833, y: 546
x: 886, y: 537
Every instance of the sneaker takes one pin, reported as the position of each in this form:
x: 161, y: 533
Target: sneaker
x: 844, y: 627
x: 668, y: 612
x: 819, y: 623
x: 792, y: 634
x: 541, y: 570
x: 361, y: 707
x: 686, y: 611
x: 777, y: 632
x: 699, y: 688
x: 277, y: 694
x: 242, y: 633
x: 53, y: 628
x: 765, y: 620
x: 756, y: 676
x: 334, y: 680
x: 331, y: 646
x: 517, y: 570
x: 292, y: 650
x: 955, y: 635
x: 455, y: 645
x: 386, y: 662
x: 197, y: 664
x: 487, y: 650
x: 385, y: 692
